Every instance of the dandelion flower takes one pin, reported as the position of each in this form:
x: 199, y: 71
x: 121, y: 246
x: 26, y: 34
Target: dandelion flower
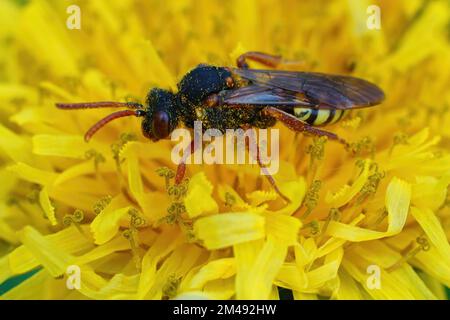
x: 373, y: 223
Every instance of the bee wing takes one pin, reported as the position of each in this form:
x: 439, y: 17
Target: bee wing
x: 322, y: 90
x: 256, y: 94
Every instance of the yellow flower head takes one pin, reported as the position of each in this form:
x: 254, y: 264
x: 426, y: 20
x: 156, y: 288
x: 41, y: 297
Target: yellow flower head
x: 368, y: 222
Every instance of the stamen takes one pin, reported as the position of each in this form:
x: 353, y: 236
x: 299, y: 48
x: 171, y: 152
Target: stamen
x: 135, y: 219
x: 423, y: 245
x: 131, y: 234
x: 175, y: 211
x: 371, y: 185
x: 101, y: 204
x: 98, y: 158
x: 313, y: 227
x: 399, y: 138
x: 178, y: 191
x: 380, y: 219
x: 334, y: 215
x: 316, y: 150
x: 33, y: 196
x: 75, y: 219
x: 230, y: 200
x: 116, y: 149
x: 311, y: 198
x: 365, y: 144
x: 170, y: 288
x: 167, y: 174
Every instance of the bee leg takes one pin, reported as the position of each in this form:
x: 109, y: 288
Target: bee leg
x: 273, y: 61
x: 297, y: 125
x: 251, y: 139
x: 181, y: 169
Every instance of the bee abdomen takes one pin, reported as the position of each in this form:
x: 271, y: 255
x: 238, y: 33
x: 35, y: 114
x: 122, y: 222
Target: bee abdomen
x: 318, y: 117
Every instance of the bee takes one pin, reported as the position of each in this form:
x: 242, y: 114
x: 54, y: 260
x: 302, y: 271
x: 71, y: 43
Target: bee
x: 240, y: 97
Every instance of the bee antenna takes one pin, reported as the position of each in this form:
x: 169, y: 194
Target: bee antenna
x: 115, y: 115
x: 99, y: 104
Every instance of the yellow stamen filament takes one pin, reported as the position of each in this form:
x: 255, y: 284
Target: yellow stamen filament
x: 334, y: 215
x: 97, y: 157
x: 411, y: 251
x: 129, y: 234
x: 316, y: 150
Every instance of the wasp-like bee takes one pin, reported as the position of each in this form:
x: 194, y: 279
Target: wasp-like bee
x: 232, y: 98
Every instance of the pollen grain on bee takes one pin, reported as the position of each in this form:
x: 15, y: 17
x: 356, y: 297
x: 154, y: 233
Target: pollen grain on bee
x: 213, y: 146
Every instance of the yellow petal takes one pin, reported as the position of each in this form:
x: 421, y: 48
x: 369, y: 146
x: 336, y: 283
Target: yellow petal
x: 116, y: 244
x: 154, y: 205
x: 213, y: 270
x: 164, y: 244
x: 348, y: 289
x: 390, y: 289
x: 377, y: 253
x: 295, y: 191
x: 134, y: 173
x: 346, y: 193
x: 199, y: 200
x: 180, y: 261
x: 31, y: 174
x: 47, y: 206
x: 70, y: 240
x: 292, y: 277
x: 283, y: 228
x: 433, y: 229
x: 31, y: 288
x: 14, y: 145
x: 258, y: 197
x: 52, y: 257
x: 61, y: 146
x: 255, y: 275
x: 106, y: 225
x: 304, y: 296
x: 430, y: 192
x: 398, y: 197
x: 81, y: 169
x: 227, y: 229
x: 328, y: 271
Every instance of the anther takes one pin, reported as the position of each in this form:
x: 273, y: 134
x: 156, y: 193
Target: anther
x: 170, y: 288
x: 100, y: 205
x: 167, y: 174
x: 74, y: 219
x: 311, y: 198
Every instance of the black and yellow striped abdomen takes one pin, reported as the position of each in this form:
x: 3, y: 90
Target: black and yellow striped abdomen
x: 319, y: 117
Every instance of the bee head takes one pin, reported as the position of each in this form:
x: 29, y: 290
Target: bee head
x: 160, y: 117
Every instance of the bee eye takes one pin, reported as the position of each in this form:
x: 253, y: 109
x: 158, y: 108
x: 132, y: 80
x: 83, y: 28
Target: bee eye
x: 160, y: 125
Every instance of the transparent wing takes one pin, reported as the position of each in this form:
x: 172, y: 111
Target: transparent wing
x: 255, y: 94
x: 321, y: 90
